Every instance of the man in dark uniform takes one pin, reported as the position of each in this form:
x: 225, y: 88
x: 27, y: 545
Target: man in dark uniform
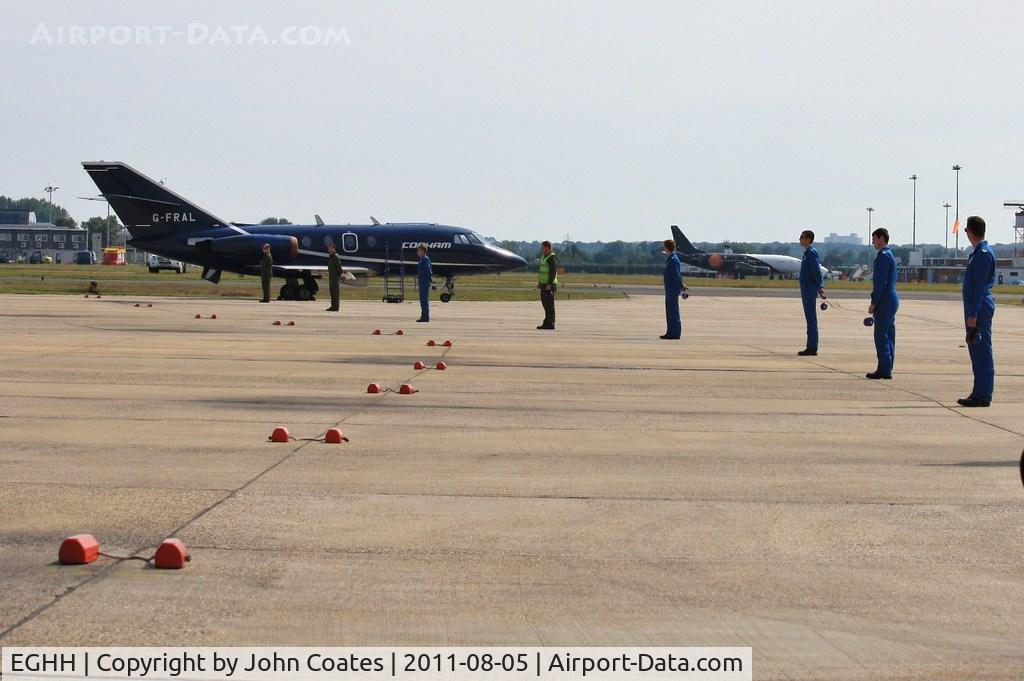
x: 547, y: 282
x: 810, y: 289
x: 334, y: 276
x: 673, y: 289
x: 424, y: 276
x: 884, y: 304
x: 979, y: 308
x: 266, y: 272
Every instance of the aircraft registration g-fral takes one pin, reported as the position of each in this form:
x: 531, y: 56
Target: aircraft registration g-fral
x: 736, y: 263
x: 163, y: 222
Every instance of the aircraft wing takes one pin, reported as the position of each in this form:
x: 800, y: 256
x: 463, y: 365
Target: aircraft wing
x: 348, y: 273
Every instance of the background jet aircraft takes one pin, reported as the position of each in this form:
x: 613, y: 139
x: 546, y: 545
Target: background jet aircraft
x: 738, y: 263
x: 162, y: 222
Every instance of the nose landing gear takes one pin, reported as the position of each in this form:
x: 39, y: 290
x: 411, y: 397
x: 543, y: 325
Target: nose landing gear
x: 449, y: 286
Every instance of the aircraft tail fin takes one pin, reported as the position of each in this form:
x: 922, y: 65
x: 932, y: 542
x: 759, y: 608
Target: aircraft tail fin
x: 682, y: 243
x: 146, y: 207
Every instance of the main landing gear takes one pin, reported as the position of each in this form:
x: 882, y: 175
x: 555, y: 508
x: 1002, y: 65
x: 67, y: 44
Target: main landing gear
x: 449, y: 286
x: 293, y: 289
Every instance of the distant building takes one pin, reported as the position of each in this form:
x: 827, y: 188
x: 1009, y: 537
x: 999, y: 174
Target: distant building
x: 17, y: 217
x: 951, y: 271
x: 20, y: 235
x: 848, y: 239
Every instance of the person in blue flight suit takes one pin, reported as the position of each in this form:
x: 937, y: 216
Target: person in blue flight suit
x: 673, y: 289
x: 424, y: 276
x: 979, y: 307
x: 810, y: 289
x: 884, y: 304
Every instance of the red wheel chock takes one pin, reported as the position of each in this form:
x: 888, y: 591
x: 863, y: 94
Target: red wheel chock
x: 79, y: 549
x: 172, y: 555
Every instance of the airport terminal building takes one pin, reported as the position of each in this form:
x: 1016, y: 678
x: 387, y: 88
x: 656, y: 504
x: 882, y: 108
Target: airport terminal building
x: 21, y: 235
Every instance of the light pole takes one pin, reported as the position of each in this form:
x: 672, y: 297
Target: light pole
x: 946, y: 246
x: 870, y: 211
x: 956, y: 223
x: 50, y: 190
x: 913, y: 179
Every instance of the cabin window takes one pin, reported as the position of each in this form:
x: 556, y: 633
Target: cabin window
x: 349, y: 242
x: 328, y: 240
x: 306, y: 242
x: 371, y: 241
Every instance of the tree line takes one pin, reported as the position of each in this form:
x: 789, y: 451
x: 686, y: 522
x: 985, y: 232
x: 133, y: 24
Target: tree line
x: 628, y: 257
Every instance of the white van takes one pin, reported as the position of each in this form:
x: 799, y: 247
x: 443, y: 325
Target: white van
x: 158, y: 262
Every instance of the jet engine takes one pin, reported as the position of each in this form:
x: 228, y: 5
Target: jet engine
x: 249, y: 247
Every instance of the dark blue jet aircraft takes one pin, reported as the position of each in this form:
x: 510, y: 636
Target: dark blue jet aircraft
x: 162, y: 222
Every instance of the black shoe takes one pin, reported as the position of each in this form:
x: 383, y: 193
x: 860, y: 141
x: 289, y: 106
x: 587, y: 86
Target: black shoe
x: 422, y: 320
x: 808, y: 353
x: 545, y: 327
x: 668, y: 337
x: 972, y: 402
x: 264, y: 301
x: 876, y: 375
x: 331, y: 309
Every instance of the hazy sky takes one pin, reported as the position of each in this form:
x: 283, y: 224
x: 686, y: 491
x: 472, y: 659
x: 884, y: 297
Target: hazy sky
x: 524, y: 120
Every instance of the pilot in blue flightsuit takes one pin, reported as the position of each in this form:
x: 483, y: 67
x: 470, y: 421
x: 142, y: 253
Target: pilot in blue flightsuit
x: 424, y: 275
x: 810, y: 289
x: 673, y: 289
x: 979, y: 307
x: 884, y: 304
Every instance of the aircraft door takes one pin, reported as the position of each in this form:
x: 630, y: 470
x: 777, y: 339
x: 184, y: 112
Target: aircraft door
x: 349, y: 242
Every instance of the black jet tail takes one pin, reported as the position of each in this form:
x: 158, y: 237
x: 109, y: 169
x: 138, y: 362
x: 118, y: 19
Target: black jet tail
x: 146, y: 207
x: 682, y: 243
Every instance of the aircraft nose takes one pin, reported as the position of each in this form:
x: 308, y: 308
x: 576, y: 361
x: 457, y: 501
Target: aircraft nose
x: 506, y: 260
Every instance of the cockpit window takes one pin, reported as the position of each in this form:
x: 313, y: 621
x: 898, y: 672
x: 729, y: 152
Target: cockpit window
x: 460, y: 240
x: 474, y: 239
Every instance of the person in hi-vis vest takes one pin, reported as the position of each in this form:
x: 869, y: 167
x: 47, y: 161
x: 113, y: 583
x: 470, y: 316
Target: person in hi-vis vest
x: 547, y: 282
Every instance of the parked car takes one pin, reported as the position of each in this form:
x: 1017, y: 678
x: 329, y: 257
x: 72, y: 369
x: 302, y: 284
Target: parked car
x: 47, y: 260
x: 85, y: 258
x: 158, y: 262
x: 36, y: 258
x: 5, y: 257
